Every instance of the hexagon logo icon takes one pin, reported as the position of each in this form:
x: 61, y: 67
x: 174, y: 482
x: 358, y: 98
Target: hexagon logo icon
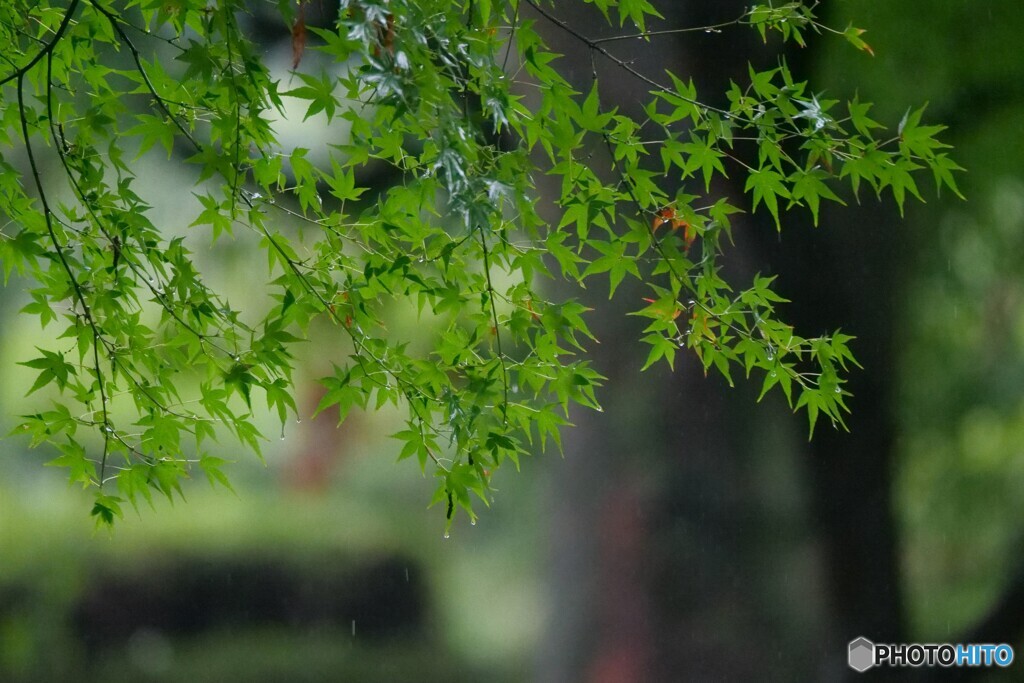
x: 861, y: 654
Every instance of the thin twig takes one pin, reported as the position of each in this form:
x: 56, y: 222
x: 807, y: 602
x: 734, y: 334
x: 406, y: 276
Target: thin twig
x: 497, y: 328
x: 75, y: 285
x: 137, y: 58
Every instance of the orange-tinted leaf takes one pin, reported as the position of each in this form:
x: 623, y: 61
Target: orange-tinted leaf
x: 689, y: 234
x: 663, y: 216
x: 853, y: 35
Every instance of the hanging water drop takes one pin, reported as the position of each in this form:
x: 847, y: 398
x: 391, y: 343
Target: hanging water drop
x: 472, y: 522
x: 446, y: 535
x: 282, y: 432
x: 837, y: 389
x: 770, y: 353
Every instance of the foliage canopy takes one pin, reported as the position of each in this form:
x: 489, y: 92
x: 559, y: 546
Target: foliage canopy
x: 466, y: 105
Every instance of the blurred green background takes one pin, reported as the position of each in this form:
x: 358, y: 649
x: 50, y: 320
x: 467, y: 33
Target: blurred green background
x: 687, y: 532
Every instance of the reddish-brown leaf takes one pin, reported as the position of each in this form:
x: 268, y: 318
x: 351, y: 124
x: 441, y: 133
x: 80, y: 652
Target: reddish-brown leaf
x: 299, y: 36
x: 389, y: 34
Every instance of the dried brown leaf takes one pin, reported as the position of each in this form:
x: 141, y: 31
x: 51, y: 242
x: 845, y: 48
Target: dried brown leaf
x: 299, y: 36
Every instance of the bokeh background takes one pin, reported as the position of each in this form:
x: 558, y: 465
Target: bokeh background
x: 688, y: 532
